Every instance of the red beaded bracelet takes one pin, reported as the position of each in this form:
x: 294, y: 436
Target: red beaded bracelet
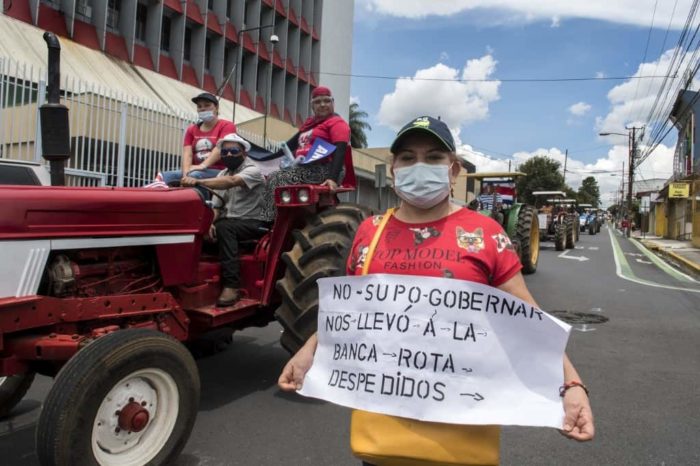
x: 568, y: 385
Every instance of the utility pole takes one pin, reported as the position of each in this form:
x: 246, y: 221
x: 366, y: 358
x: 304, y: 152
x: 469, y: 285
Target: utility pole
x: 632, y: 156
x: 566, y: 159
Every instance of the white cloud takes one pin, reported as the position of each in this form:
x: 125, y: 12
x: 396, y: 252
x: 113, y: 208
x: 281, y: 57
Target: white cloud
x: 631, y: 102
x: 636, y: 12
x: 556, y: 22
x: 439, y: 93
x: 444, y: 56
x: 600, y: 75
x: 354, y: 100
x: 579, y: 109
x: 607, y: 169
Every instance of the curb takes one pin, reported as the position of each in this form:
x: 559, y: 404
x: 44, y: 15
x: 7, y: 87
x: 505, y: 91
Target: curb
x: 655, y: 247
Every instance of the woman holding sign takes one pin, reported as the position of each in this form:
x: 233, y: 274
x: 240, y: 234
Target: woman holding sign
x: 320, y: 150
x: 461, y: 244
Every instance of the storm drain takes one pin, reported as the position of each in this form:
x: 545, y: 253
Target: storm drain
x: 576, y: 318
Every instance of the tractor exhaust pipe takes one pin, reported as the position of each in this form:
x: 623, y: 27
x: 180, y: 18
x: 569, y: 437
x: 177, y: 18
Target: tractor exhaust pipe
x: 55, y: 134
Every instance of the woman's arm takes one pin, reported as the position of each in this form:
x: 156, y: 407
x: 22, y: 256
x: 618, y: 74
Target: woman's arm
x: 213, y: 157
x: 186, y: 159
x: 578, y: 420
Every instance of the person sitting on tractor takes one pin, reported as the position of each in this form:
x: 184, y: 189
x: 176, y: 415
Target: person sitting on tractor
x: 237, y: 214
x: 489, y: 198
x: 324, y: 127
x: 493, y: 201
x: 199, y: 157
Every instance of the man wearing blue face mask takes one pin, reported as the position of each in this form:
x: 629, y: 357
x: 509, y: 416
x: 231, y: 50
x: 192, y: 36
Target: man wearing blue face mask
x: 200, y: 158
x: 239, y: 218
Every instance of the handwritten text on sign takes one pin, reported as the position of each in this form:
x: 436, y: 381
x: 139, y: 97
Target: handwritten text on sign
x: 437, y: 349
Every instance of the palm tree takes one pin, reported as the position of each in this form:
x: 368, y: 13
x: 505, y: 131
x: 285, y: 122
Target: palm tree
x: 358, y: 126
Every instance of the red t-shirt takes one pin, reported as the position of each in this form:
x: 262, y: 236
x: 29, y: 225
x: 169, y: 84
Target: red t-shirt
x: 333, y: 129
x: 203, y: 142
x: 465, y: 245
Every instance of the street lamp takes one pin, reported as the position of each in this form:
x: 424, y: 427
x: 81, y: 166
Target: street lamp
x: 632, y: 144
x: 239, y: 63
x: 273, y: 40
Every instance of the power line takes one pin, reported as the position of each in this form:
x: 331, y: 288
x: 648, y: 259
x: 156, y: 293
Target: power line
x: 644, y: 58
x: 505, y: 80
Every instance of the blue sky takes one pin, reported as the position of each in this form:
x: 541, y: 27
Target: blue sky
x: 515, y: 120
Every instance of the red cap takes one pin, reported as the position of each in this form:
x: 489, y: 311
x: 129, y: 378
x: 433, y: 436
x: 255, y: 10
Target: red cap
x: 321, y: 90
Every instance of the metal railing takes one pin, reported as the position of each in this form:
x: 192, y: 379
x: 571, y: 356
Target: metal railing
x: 116, y: 139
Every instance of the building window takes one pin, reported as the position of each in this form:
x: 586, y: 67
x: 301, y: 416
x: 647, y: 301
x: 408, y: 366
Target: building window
x: 55, y: 4
x: 229, y: 4
x: 83, y: 9
x: 141, y: 17
x: 188, y: 43
x: 210, y: 4
x: 207, y: 53
x: 165, y: 34
x: 228, y: 55
x: 113, y: 7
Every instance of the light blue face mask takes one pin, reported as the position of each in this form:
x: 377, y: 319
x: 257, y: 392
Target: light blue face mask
x: 206, y: 116
x: 422, y: 185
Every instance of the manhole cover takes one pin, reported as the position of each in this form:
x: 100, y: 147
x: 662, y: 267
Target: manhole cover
x: 571, y: 317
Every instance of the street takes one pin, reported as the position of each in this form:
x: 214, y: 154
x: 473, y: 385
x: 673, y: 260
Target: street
x: 636, y: 344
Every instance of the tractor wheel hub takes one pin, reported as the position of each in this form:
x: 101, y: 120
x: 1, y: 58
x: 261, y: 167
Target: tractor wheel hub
x: 133, y: 417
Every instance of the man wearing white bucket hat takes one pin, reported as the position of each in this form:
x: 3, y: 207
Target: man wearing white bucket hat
x: 239, y: 218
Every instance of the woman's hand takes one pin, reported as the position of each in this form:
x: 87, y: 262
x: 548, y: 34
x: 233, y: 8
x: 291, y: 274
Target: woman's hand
x: 292, y: 376
x: 578, y: 417
x: 332, y: 185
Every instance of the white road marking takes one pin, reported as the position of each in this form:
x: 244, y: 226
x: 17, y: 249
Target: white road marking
x: 642, y: 261
x: 585, y: 328
x: 592, y: 248
x: 564, y: 255
x: 619, y: 257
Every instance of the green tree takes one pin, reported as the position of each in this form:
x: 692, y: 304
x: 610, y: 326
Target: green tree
x: 588, y: 192
x: 358, y: 126
x: 543, y: 174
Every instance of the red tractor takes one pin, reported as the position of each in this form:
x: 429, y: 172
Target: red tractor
x: 100, y: 287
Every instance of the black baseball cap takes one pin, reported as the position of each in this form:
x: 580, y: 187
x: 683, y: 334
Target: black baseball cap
x: 426, y: 124
x: 206, y: 96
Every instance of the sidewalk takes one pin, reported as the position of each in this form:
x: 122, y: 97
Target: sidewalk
x: 682, y: 252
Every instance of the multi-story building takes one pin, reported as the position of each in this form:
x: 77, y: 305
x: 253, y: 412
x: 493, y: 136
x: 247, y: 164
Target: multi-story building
x: 130, y: 67
x: 210, y: 43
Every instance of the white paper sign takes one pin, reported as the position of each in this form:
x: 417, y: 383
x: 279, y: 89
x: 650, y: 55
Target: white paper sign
x: 437, y: 349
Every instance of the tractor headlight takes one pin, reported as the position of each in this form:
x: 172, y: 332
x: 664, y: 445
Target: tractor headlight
x: 286, y: 196
x: 303, y: 195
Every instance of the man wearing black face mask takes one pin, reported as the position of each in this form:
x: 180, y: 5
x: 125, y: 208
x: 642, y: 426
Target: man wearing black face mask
x: 240, y: 217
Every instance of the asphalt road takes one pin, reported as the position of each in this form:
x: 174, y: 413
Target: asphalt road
x: 641, y: 367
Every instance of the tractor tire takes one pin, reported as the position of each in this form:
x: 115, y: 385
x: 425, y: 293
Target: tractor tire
x: 527, y: 232
x: 591, y: 229
x: 570, y: 235
x: 12, y: 390
x: 128, y: 398
x: 560, y: 237
x: 320, y: 250
x: 597, y: 228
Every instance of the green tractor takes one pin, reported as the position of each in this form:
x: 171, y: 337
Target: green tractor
x: 557, y: 219
x: 518, y: 220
